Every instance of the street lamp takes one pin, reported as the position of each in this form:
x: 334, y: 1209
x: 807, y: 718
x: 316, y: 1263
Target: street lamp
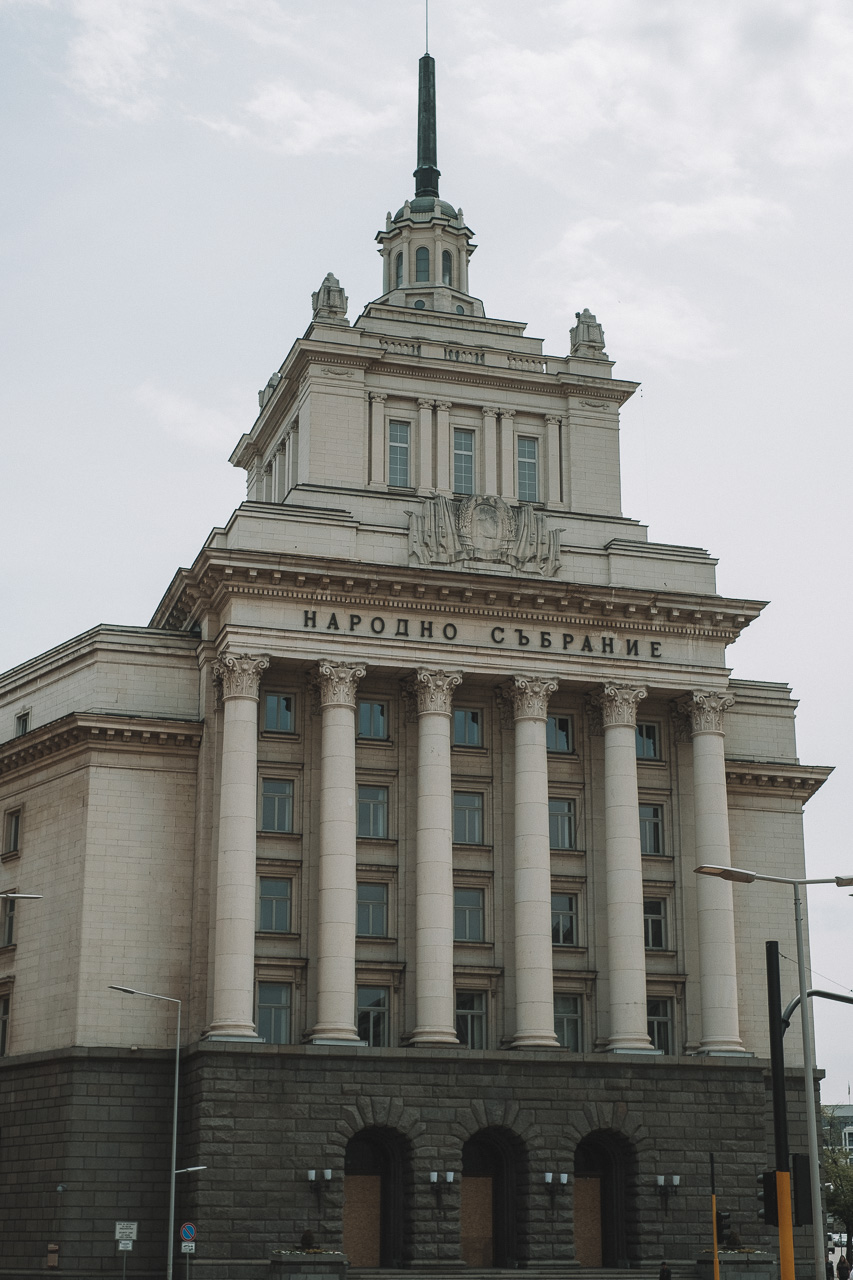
x: 741, y: 876
x: 131, y: 991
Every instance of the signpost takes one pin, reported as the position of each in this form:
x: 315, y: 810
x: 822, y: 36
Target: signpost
x: 188, y: 1242
x: 125, y: 1235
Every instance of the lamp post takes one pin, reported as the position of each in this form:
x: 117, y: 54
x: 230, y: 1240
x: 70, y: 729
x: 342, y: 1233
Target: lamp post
x: 131, y: 991
x: 741, y: 876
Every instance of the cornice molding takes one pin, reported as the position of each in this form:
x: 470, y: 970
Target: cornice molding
x: 791, y: 781
x: 79, y: 731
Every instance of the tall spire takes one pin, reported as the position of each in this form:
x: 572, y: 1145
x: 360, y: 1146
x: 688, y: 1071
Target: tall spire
x: 426, y: 174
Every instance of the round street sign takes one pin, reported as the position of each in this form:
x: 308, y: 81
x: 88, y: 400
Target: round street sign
x: 188, y: 1231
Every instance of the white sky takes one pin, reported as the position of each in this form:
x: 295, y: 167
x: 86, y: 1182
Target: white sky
x: 179, y: 175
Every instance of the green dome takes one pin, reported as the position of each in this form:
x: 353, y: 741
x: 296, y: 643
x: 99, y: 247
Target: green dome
x: 427, y: 204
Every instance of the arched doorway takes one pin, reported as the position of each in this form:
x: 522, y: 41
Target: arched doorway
x: 375, y: 1164
x: 493, y: 1181
x: 603, y: 1170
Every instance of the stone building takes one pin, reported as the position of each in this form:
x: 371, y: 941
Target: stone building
x: 401, y: 793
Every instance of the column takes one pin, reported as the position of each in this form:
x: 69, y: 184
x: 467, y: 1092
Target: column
x: 443, y: 480
x: 406, y: 247
x: 435, y: 1005
x: 490, y: 452
x: 534, y: 973
x: 338, y: 827
x: 717, y: 958
x: 552, y: 461
x: 507, y: 454
x: 234, y: 948
x: 425, y: 444
x: 625, y: 940
x: 377, y: 438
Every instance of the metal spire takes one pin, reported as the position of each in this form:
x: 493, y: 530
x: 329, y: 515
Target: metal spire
x: 426, y: 174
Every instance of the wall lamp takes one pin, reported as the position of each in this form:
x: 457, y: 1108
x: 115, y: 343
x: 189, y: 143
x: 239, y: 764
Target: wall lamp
x: 319, y: 1185
x: 555, y: 1183
x: 437, y: 1185
x: 666, y: 1189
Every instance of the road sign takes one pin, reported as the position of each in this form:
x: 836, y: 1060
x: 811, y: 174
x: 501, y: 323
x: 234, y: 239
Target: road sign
x: 187, y: 1246
x: 126, y: 1230
x: 125, y: 1246
x: 188, y: 1231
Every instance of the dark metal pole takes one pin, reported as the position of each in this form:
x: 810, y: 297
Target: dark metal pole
x: 777, y: 1057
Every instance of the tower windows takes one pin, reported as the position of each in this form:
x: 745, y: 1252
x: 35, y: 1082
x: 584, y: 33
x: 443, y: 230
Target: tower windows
x: 528, y: 469
x: 447, y: 268
x: 421, y: 264
x: 398, y: 271
x: 463, y: 461
x: 398, y: 454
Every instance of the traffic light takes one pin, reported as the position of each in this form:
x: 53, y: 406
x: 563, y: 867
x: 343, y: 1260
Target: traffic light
x: 724, y: 1225
x: 769, y: 1212
x: 802, y: 1191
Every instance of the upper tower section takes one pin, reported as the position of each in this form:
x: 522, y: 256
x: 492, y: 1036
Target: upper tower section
x: 426, y: 248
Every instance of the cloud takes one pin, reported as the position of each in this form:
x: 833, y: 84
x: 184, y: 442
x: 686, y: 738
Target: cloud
x: 729, y: 212
x: 119, y: 56
x: 180, y: 416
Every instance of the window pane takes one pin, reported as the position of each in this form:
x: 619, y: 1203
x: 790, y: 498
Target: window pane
x: 564, y: 919
x: 421, y: 264
x: 559, y: 734
x: 654, y: 924
x: 372, y: 902
x: 467, y: 817
x: 469, y: 915
x: 471, y: 1019
x: 373, y: 813
x: 274, y: 1012
x: 567, y: 1022
x: 447, y: 267
x: 648, y: 742
x: 12, y: 835
x: 372, y: 1015
x: 659, y: 1013
x: 398, y: 454
x: 276, y: 804
x: 7, y: 922
x: 528, y: 483
x: 561, y: 821
x: 372, y: 720
x: 467, y: 727
x: 278, y: 713
x: 274, y: 905
x: 651, y: 828
x: 463, y: 461
x: 398, y: 271
x: 4, y: 1023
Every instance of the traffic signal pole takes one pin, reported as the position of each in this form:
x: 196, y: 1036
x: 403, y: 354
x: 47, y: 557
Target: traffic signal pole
x: 780, y: 1114
x: 714, y: 1220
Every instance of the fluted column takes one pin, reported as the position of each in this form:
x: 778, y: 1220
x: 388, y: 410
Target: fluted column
x: 338, y: 827
x: 234, y: 952
x: 625, y: 940
x: 717, y: 958
x: 534, y: 970
x: 436, y: 1022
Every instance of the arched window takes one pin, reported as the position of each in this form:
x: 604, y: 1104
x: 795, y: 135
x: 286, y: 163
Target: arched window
x: 398, y: 271
x: 447, y: 267
x: 422, y: 264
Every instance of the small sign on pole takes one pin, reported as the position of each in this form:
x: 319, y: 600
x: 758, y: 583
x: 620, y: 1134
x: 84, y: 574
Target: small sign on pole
x: 125, y: 1246
x: 126, y: 1230
x: 188, y: 1231
x: 187, y: 1246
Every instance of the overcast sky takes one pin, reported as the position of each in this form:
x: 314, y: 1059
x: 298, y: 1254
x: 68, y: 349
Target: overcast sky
x: 179, y: 175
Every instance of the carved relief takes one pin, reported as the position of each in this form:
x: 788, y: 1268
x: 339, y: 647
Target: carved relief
x: 435, y: 690
x: 487, y: 529
x: 618, y: 703
x: 239, y: 675
x: 592, y: 703
x: 706, y: 711
x: 529, y: 696
x: 337, y: 682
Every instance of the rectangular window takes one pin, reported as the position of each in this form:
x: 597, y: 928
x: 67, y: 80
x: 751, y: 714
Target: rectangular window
x: 467, y: 727
x: 372, y: 904
x: 471, y: 1019
x: 648, y: 741
x: 373, y: 813
x: 22, y: 724
x: 12, y: 831
x: 278, y: 713
x: 463, y: 461
x: 274, y: 1009
x: 275, y: 907
x: 564, y: 919
x: 276, y: 804
x: 469, y: 915
x: 372, y: 720
x: 561, y: 823
x: 528, y: 469
x: 467, y: 817
x: 5, y: 1002
x: 654, y: 923
x: 659, y: 1014
x: 398, y: 454
x: 7, y: 922
x: 372, y: 1015
x: 560, y: 734
x: 568, y: 1022
x: 651, y: 828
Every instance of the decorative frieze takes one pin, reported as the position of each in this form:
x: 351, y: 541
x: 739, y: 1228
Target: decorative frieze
x: 435, y: 690
x: 239, y: 675
x: 485, y: 529
x: 337, y: 682
x: 528, y: 696
x: 618, y: 703
x: 706, y: 710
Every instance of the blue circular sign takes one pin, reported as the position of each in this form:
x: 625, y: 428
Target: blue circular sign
x: 188, y: 1231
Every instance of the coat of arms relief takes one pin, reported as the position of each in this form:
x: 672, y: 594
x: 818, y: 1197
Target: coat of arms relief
x: 446, y: 531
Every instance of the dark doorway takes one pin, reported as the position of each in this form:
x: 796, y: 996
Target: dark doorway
x: 492, y: 1162
x: 603, y: 1162
x: 374, y: 1169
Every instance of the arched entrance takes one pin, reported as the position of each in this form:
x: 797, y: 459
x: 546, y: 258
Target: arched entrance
x: 493, y: 1179
x: 603, y: 1168
x: 375, y: 1165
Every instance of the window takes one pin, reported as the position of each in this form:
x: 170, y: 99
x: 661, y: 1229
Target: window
x: 372, y: 905
x: 278, y: 713
x: 274, y: 1006
x: 467, y: 727
x: 469, y: 915
x: 568, y: 1021
x: 447, y: 267
x: 372, y: 1015
x: 373, y: 813
x: 276, y: 804
x: 659, y: 1014
x: 7, y: 922
x: 559, y: 734
x: 398, y: 454
x: 421, y: 264
x: 22, y: 724
x: 654, y: 923
x: 398, y: 271
x: 373, y: 720
x: 648, y: 741
x: 12, y: 831
x: 275, y: 905
x: 467, y: 817
x: 5, y: 1002
x: 651, y: 828
x: 564, y: 919
x: 561, y: 823
x: 528, y: 469
x: 463, y: 461
x: 471, y: 1019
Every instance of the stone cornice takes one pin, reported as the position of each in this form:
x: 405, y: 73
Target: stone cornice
x: 792, y: 781
x: 79, y: 731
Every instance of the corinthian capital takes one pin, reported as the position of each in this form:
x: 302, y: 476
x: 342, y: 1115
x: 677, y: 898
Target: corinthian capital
x: 240, y: 673
x: 337, y: 682
x: 435, y: 690
x: 528, y: 696
x: 618, y: 703
x: 706, y: 711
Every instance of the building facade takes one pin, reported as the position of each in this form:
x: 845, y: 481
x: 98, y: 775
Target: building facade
x: 401, y: 793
